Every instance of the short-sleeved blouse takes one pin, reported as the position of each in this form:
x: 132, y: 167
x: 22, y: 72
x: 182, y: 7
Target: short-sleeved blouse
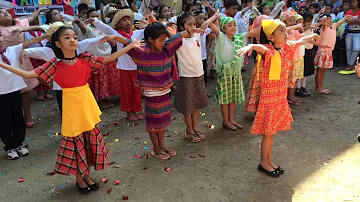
x: 69, y: 76
x: 10, y: 39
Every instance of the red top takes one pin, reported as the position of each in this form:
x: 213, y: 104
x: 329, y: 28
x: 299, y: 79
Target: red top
x: 349, y: 12
x: 69, y: 76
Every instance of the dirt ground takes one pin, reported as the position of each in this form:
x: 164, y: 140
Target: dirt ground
x: 320, y: 156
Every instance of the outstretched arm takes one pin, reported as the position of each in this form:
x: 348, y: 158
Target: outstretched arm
x: 20, y: 72
x: 313, y: 37
x: 34, y: 40
x: 261, y: 49
x: 346, y: 18
x: 119, y: 53
x: 35, y: 14
x: 214, y: 29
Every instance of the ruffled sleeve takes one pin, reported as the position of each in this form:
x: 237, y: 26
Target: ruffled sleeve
x: 46, y: 71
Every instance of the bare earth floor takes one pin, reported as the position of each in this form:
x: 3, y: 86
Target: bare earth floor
x: 320, y: 156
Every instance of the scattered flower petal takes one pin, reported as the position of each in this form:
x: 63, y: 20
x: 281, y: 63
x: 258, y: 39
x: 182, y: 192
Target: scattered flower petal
x: 146, y: 156
x: 117, y: 182
x: 125, y: 198
x: 191, y: 156
x: 109, y: 190
x: 116, y: 140
x: 202, y: 155
x: 116, y: 123
x: 104, y: 180
x: 168, y: 169
x: 137, y: 156
x: 106, y: 134
x: 117, y: 166
x: 21, y: 180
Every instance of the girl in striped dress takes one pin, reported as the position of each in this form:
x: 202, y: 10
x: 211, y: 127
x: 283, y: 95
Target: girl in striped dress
x: 154, y: 64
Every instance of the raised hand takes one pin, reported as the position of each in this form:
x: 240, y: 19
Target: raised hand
x: 142, y: 24
x: 247, y: 49
x: 196, y: 30
x: 137, y: 44
x: 108, y: 38
x: 317, y: 38
x: 89, y: 20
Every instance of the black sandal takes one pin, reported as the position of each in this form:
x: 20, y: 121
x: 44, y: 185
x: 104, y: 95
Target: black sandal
x: 93, y: 187
x: 85, y: 190
x: 274, y: 173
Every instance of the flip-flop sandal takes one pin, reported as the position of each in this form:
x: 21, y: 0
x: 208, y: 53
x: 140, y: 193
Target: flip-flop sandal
x: 297, y: 100
x: 323, y: 92
x: 232, y: 127
x: 132, y: 118
x: 347, y: 72
x: 200, y: 135
x: 48, y: 96
x: 30, y: 125
x: 192, y: 137
x: 161, y: 156
x: 293, y: 102
x: 171, y: 152
x: 40, y: 98
x: 139, y: 116
x: 238, y: 126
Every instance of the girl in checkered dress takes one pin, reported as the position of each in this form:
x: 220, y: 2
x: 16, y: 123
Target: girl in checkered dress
x: 82, y: 144
x: 229, y: 88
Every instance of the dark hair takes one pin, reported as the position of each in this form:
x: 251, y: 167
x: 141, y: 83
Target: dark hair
x: 307, y: 16
x: 316, y: 6
x: 304, y: 7
x: 263, y: 38
x: 261, y: 7
x: 159, y: 9
x: 346, y: 2
x: 90, y: 11
x: 48, y: 15
x: 154, y: 31
x: 197, y: 12
x: 188, y: 6
x: 82, y: 7
x: 230, y: 3
x: 160, y: 17
x: 181, y: 20
x: 56, y: 37
x: 330, y: 5
x: 323, y: 15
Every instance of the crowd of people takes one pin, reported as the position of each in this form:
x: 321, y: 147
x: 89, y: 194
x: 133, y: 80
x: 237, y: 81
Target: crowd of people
x: 131, y: 51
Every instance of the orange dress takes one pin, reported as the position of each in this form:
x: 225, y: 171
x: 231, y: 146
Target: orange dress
x: 273, y: 112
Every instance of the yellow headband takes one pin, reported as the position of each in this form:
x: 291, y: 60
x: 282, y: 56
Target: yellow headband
x: 269, y: 26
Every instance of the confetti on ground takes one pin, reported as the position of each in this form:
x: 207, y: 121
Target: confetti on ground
x: 21, y: 180
x: 203, y: 114
x: 117, y: 166
x: 109, y: 190
x: 145, y: 142
x: 116, y: 123
x: 137, y: 156
x: 146, y: 148
x: 134, y: 124
x: 104, y: 180
x: 116, y: 140
x: 191, y: 156
x: 136, y: 138
x: 202, y: 155
x: 62, y: 186
x: 117, y: 182
x: 173, y: 119
x: 213, y: 111
x: 106, y: 134
x: 146, y: 156
x: 206, y: 122
x: 125, y: 198
x: 110, y: 144
x: 168, y: 169
x: 211, y: 126
x: 112, y: 162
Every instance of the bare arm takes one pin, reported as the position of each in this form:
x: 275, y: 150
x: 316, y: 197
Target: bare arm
x: 189, y: 32
x: 119, y: 53
x: 117, y: 38
x: 313, y: 37
x: 34, y: 40
x: 81, y: 25
x: 214, y: 29
x: 346, y: 18
x: 20, y: 72
x: 35, y: 14
x: 260, y: 49
x: 32, y: 28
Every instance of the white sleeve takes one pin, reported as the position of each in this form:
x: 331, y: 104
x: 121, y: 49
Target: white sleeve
x: 256, y: 11
x: 106, y: 29
x: 68, y: 17
x: 207, y: 31
x: 45, y: 27
x: 276, y: 10
x: 13, y: 54
x: 87, y: 44
x: 138, y: 34
x: 41, y: 53
x: 223, y: 15
x: 238, y: 15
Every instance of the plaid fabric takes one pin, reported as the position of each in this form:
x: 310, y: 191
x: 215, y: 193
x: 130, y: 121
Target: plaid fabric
x: 46, y: 71
x: 77, y: 154
x: 191, y: 95
x: 229, y: 88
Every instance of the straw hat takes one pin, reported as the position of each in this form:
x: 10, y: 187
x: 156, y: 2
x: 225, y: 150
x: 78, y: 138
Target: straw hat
x: 111, y: 10
x: 120, y: 14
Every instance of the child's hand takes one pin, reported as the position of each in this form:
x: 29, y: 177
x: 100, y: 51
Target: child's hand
x: 316, y: 38
x: 137, y: 44
x: 51, y: 31
x: 349, y: 18
x: 205, y: 3
x: 196, y: 30
x: 108, y: 38
x: 250, y: 48
x: 23, y: 56
x: 89, y: 20
x: 142, y: 24
x: 76, y: 21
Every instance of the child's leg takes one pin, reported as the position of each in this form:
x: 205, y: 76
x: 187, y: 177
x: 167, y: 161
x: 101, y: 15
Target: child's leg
x: 194, y: 120
x: 38, y: 90
x: 225, y: 114
x: 188, y: 122
x: 161, y: 139
x: 155, y: 142
x: 320, y: 75
x: 303, y: 82
x: 231, y: 116
x: 269, y: 158
x: 126, y: 93
x: 88, y: 179
x: 266, y: 144
x: 26, y: 107
x: 80, y: 181
x: 205, y: 71
x: 46, y: 89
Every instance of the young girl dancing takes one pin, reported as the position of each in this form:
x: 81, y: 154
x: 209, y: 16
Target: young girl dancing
x: 82, y: 143
x: 323, y: 58
x: 229, y: 87
x: 154, y: 64
x: 191, y: 95
x: 273, y: 113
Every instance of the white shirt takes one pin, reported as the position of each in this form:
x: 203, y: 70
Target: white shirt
x: 189, y: 57
x: 308, y: 45
x: 340, y: 15
x: 10, y: 82
x: 124, y: 62
x: 46, y: 53
x: 203, y: 43
x: 28, y: 36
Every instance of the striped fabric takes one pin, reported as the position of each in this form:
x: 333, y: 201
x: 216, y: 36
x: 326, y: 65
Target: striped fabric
x: 77, y: 154
x: 158, y: 113
x: 46, y: 71
x: 154, y: 67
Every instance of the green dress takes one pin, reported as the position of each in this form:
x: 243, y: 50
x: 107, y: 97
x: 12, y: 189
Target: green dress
x: 229, y: 87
